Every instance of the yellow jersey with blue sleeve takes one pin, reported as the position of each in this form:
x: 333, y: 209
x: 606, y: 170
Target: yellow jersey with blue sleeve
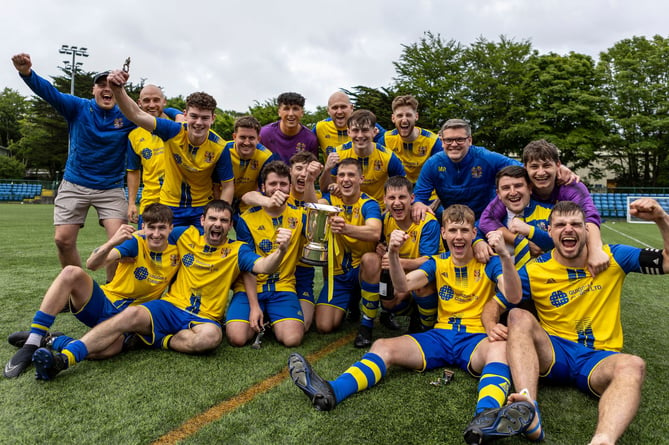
x: 424, y: 237
x: 574, y: 305
x: 329, y: 136
x: 145, y: 278
x: 349, y: 250
x: 376, y: 168
x: 462, y: 291
x: 190, y: 171
x: 146, y: 151
x: 412, y: 154
x: 257, y: 228
x: 247, y: 171
x: 203, y: 283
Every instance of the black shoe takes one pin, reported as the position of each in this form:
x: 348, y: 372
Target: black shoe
x: 494, y: 423
x: 364, y: 337
x: 19, y: 362
x: 48, y: 363
x: 387, y: 319
x: 316, y: 388
x: 133, y: 342
x: 19, y: 338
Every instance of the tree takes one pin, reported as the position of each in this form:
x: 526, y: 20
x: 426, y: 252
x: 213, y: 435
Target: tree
x: 637, y: 81
x: 378, y: 101
x: 11, y: 168
x: 13, y: 108
x: 566, y: 105
x: 266, y: 112
x: 432, y: 71
x: 494, y: 99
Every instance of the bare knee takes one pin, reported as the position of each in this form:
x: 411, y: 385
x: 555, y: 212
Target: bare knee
x: 207, y: 339
x: 72, y: 274
x: 520, y: 319
x: 238, y: 334
x: 65, y: 242
x: 631, y: 367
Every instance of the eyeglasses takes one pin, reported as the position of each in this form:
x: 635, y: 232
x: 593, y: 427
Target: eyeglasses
x: 449, y: 141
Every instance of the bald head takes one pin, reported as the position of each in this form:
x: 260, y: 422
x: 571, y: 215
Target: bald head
x: 152, y: 100
x: 339, y: 109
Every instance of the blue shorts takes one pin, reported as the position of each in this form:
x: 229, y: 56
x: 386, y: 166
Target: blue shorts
x: 573, y: 363
x: 167, y: 319
x: 187, y: 216
x: 444, y: 347
x: 304, y: 283
x: 345, y: 285
x: 278, y: 306
x: 98, y: 308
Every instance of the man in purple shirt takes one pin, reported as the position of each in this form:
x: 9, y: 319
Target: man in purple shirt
x: 287, y: 136
x: 542, y: 161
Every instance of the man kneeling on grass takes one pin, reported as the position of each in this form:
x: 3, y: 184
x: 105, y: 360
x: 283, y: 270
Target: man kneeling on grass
x: 151, y: 260
x: 459, y: 338
x: 186, y: 318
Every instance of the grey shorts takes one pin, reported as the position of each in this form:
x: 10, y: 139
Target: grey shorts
x: 73, y: 201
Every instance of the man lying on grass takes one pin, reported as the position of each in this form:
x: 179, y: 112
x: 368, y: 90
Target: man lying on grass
x: 186, y: 318
x: 464, y: 286
x: 578, y: 336
x: 152, y: 261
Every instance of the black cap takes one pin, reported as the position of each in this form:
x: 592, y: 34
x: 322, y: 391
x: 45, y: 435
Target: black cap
x: 100, y: 76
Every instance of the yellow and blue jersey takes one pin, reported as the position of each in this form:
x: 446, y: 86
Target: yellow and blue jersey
x: 574, y: 305
x: 349, y: 250
x: 247, y: 171
x: 257, y: 228
x: 329, y: 136
x: 203, y: 283
x: 191, y: 171
x: 146, y: 151
x: 145, y: 278
x: 462, y: 291
x: 376, y: 168
x: 424, y: 237
x: 412, y: 154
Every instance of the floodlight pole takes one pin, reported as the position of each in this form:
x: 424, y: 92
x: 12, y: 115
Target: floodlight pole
x: 74, y: 51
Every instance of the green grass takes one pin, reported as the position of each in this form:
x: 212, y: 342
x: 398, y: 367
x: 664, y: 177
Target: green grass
x: 137, y: 397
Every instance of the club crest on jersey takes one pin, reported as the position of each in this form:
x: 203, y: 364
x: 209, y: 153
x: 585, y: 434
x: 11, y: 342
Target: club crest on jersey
x: 118, y: 122
x: 300, y: 146
x: 225, y: 252
x: 174, y: 260
x: 378, y: 165
x: 477, y: 171
x: 414, y: 235
x: 422, y: 150
x: 477, y: 275
x: 208, y: 157
x: 292, y: 223
x: 253, y: 164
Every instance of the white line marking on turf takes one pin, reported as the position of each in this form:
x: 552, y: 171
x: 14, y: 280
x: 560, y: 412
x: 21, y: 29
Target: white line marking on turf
x: 627, y: 236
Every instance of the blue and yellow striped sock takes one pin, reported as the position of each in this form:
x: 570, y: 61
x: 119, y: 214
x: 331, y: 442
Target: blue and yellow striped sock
x: 60, y: 342
x: 370, y: 303
x: 427, y: 309
x: 493, y: 386
x: 75, y: 352
x: 521, y: 251
x: 41, y: 323
x: 362, y: 375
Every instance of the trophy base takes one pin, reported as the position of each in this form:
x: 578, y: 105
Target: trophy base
x: 311, y: 262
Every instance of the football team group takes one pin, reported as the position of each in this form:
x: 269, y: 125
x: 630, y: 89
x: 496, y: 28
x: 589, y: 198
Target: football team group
x: 498, y: 264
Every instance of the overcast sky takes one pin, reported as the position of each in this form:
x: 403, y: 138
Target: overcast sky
x: 243, y: 51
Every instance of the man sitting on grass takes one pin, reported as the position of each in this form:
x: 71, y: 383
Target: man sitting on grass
x: 578, y: 336
x: 459, y: 338
x: 152, y: 262
x: 186, y: 318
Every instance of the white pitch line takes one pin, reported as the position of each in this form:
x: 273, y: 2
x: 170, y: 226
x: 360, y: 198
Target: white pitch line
x: 608, y: 226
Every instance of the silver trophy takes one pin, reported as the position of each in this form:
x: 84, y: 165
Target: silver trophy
x: 317, y: 231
